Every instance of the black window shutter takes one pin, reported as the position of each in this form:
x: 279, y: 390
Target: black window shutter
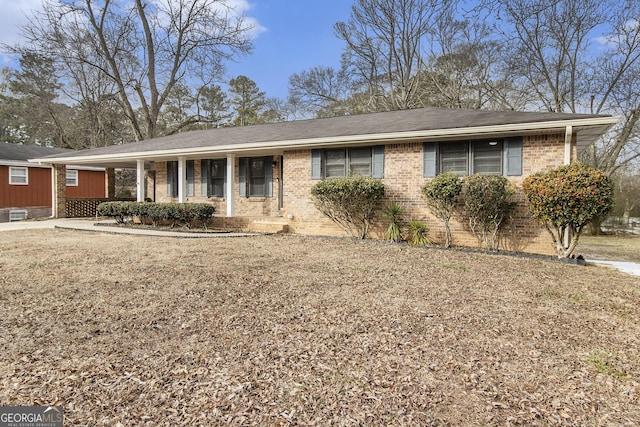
x: 191, y: 178
x: 377, y: 161
x: 513, y: 156
x: 268, y: 176
x: 172, y: 179
x: 430, y: 159
x: 204, y: 177
x: 316, y: 164
x: 242, y: 177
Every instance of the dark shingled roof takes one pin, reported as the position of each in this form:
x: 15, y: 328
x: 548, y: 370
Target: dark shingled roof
x: 17, y: 152
x: 423, y: 119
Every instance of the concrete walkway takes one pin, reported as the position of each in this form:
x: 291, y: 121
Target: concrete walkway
x: 632, y: 268
x: 106, y: 226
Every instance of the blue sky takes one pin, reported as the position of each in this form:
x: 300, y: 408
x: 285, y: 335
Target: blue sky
x: 297, y: 36
x: 294, y: 35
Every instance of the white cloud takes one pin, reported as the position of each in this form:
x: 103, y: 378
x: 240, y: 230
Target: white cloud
x: 242, y: 8
x: 613, y: 39
x: 13, y: 16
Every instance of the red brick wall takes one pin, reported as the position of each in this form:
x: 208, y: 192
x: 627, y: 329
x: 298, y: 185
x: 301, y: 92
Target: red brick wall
x: 244, y: 206
x: 403, y: 180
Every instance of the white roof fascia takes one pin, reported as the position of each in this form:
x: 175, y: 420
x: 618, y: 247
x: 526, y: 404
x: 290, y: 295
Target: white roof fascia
x: 23, y: 164
x: 85, y: 168
x: 43, y: 165
x: 476, y: 131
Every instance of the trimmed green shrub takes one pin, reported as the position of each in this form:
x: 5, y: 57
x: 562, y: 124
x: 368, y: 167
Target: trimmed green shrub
x: 418, y: 233
x: 118, y: 210
x: 393, y: 213
x: 349, y: 202
x: 487, y: 206
x: 139, y: 209
x: 175, y: 213
x: 441, y: 194
x: 566, y: 199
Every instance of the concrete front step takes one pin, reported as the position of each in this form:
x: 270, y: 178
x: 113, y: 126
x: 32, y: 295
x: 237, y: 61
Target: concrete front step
x: 268, y: 226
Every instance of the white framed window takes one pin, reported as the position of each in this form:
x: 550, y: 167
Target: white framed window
x: 72, y: 178
x: 18, y: 176
x: 18, y: 215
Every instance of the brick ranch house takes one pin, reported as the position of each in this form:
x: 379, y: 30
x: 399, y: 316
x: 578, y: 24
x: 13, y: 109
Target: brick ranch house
x: 261, y: 176
x: 27, y: 189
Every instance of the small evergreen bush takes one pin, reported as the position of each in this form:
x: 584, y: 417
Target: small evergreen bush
x: 441, y: 194
x: 393, y: 213
x: 418, y: 233
x: 566, y: 199
x: 487, y: 206
x: 350, y: 202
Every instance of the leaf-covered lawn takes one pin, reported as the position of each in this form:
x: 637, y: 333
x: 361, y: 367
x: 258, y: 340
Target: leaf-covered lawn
x: 290, y: 330
x: 609, y: 247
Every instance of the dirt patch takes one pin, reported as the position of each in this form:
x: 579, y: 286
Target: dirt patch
x: 290, y: 330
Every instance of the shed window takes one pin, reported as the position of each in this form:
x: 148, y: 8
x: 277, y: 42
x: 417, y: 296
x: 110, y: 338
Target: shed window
x: 18, y: 176
x: 72, y: 178
x: 17, y: 215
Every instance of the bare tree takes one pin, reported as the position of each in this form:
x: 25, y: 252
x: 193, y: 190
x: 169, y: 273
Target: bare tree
x: 143, y: 48
x: 322, y: 91
x: 579, y: 56
x: 465, y: 65
x: 627, y: 192
x: 384, y: 47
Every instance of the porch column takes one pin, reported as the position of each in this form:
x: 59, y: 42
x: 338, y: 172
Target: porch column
x: 231, y: 194
x: 140, y: 180
x: 110, y: 184
x: 182, y: 180
x: 568, y: 137
x: 60, y: 191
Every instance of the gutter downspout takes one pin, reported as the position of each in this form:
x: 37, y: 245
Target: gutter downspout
x: 568, y: 136
x: 54, y: 193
